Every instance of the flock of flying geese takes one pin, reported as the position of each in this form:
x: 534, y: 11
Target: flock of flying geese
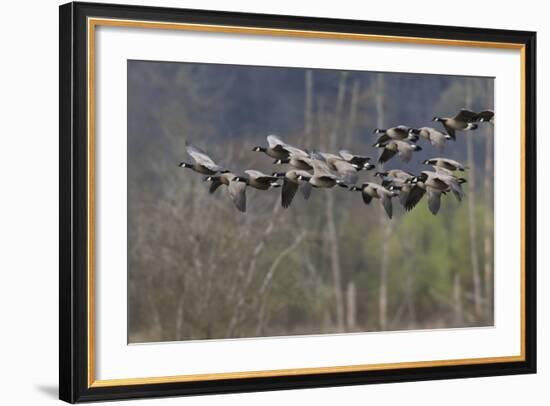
x: 313, y: 169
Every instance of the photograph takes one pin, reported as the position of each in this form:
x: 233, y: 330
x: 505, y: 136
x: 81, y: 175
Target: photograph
x: 269, y: 201
x: 255, y: 201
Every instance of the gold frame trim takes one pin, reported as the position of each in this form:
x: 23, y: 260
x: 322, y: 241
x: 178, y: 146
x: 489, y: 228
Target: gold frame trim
x: 94, y: 22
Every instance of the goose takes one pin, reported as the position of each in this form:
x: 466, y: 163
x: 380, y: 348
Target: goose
x: 442, y: 170
x: 297, y: 158
x: 237, y: 190
x: 435, y: 184
x: 276, y: 148
x: 358, y: 160
x: 446, y: 163
x: 395, y: 173
x: 371, y: 191
x: 426, y: 183
x: 203, y: 163
x: 402, y: 148
x: 399, y: 180
x: 322, y: 176
x: 462, y: 121
x: 258, y: 180
x: 291, y: 181
x: 345, y: 169
x: 436, y: 138
x: 482, y: 116
x: 454, y: 182
x: 401, y: 132
x: 486, y: 116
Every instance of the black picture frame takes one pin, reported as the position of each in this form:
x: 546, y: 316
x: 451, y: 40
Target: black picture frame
x: 73, y: 256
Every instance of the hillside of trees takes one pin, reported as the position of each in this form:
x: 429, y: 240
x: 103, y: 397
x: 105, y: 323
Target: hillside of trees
x: 199, y: 269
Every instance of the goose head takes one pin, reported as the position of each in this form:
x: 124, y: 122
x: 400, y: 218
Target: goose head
x: 420, y: 178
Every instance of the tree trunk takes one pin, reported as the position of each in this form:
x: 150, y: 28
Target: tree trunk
x: 351, y: 306
x: 246, y: 280
x: 383, y: 298
x: 458, y: 309
x: 308, y: 108
x: 262, y: 291
x: 471, y: 212
x: 488, y: 224
x: 335, y: 262
x: 409, y: 285
x: 330, y: 215
x: 353, y: 106
x: 385, y: 224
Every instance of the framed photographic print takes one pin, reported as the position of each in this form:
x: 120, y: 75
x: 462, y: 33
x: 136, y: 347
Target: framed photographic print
x: 258, y: 202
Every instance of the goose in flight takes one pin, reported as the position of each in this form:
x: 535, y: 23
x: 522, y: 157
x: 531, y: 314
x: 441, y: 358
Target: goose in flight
x: 462, y: 121
x: 258, y: 180
x: 322, y: 176
x: 486, y: 116
x: 398, y: 180
x: 449, y: 164
x: 276, y: 148
x: 482, y: 116
x: 454, y: 182
x: 435, y: 137
x: 297, y: 158
x: 291, y: 181
x: 401, y: 132
x: 203, y: 163
x: 237, y: 189
x: 396, y: 147
x: 434, y: 184
x: 356, y: 160
x: 347, y: 170
x: 422, y: 184
x: 371, y: 191
x: 394, y: 173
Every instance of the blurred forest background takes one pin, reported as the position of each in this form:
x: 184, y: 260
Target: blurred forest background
x: 199, y: 269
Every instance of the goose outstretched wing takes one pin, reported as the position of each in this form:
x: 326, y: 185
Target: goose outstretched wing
x: 288, y: 191
x: 202, y: 158
x: 415, y: 195
x: 466, y: 115
x: 434, y: 200
x: 254, y: 174
x: 237, y: 191
x: 347, y: 171
x: 386, y: 155
x: 275, y: 142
